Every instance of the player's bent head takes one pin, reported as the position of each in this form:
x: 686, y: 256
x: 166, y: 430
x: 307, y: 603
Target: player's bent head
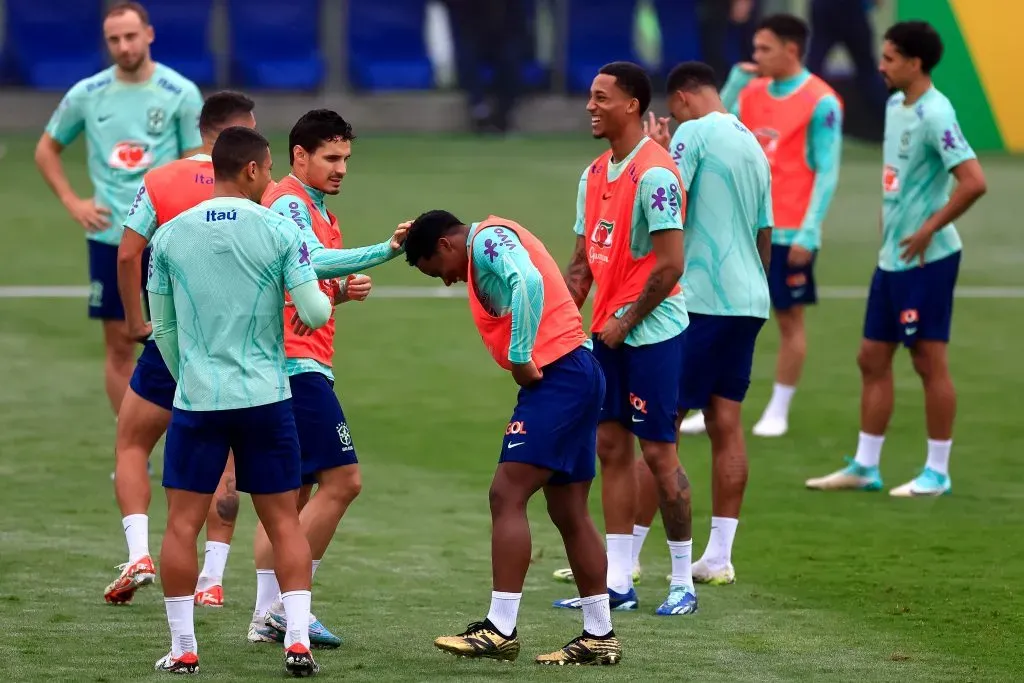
x: 619, y: 95
x: 319, y: 147
x: 242, y: 156
x: 688, y: 85
x: 436, y: 244
x: 225, y: 109
x: 779, y: 42
x: 128, y: 34
x: 910, y: 47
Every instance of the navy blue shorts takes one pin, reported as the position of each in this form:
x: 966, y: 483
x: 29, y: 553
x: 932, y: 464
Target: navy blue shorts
x: 790, y: 286
x: 554, y: 425
x: 104, y: 297
x: 151, y: 379
x: 718, y: 354
x: 907, y: 305
x: 643, y: 387
x: 263, y: 439
x: 324, y: 436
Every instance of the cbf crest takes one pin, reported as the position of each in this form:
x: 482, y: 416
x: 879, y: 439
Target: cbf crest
x: 156, y: 120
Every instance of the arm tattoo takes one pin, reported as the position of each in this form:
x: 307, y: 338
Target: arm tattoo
x: 660, y: 282
x: 578, y: 277
x: 764, y: 247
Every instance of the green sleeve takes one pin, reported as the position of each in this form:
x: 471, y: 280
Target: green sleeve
x: 165, y: 330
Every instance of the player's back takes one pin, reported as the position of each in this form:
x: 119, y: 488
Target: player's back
x: 179, y: 186
x: 728, y: 201
x: 226, y: 263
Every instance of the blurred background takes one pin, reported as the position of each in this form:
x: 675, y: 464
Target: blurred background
x: 491, y: 65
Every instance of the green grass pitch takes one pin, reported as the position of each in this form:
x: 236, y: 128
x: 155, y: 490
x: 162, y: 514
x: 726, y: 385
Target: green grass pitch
x: 837, y: 587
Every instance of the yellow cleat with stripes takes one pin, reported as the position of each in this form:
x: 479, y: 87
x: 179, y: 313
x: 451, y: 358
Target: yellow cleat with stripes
x: 586, y: 650
x: 481, y: 640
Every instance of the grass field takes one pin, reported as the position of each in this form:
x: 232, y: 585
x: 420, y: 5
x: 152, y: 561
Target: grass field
x: 838, y: 587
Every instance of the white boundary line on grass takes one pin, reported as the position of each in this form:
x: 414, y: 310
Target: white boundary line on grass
x: 459, y: 292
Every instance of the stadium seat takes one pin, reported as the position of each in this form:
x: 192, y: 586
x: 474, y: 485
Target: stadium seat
x: 276, y: 45
x: 53, y: 44
x: 183, y: 38
x: 386, y: 46
x: 680, y: 36
x: 600, y: 31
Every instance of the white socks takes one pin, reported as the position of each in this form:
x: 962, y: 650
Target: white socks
x: 718, y: 552
x: 267, y: 590
x: 620, y: 562
x: 869, y: 450
x: 213, y: 565
x: 778, y: 406
x: 681, y: 552
x: 597, y: 615
x: 179, y: 619
x: 296, y: 609
x: 938, y: 455
x: 639, y: 536
x: 504, y: 611
x: 136, y: 533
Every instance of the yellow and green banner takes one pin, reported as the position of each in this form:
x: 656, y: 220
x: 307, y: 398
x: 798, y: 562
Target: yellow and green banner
x: 979, y: 71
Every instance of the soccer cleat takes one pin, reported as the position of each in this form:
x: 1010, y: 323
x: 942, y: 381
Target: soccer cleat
x: 852, y: 477
x: 481, y: 640
x: 681, y: 600
x: 298, y: 661
x: 586, y: 650
x: 770, y: 427
x: 211, y: 597
x: 928, y: 483
x: 259, y: 632
x: 319, y: 636
x: 617, y: 602
x: 703, y: 572
x: 565, y: 575
x: 187, y: 663
x: 694, y: 424
x: 134, y: 575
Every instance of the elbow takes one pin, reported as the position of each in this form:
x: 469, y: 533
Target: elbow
x: 42, y: 154
x: 126, y: 255
x: 979, y: 188
x: 672, y: 270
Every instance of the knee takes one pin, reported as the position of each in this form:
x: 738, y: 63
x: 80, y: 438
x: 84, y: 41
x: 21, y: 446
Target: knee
x: 613, y: 451
x: 721, y: 424
x: 928, y: 366
x: 503, y: 500
x: 871, y: 365
x: 343, y: 490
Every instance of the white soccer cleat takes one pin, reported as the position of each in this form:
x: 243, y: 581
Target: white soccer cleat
x: 694, y: 424
x: 928, y: 483
x: 770, y: 427
x: 853, y: 477
x: 713, y: 575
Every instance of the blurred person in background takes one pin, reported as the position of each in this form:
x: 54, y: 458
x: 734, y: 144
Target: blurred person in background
x: 489, y: 33
x: 714, y: 18
x: 848, y: 23
x: 136, y: 115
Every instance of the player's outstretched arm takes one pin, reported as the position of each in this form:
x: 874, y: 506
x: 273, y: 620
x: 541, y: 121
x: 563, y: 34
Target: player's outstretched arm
x: 165, y: 330
x: 578, y: 277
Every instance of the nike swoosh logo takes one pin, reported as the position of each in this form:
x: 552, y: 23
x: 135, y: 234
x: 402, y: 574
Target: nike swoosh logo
x: 636, y: 419
x: 101, y: 119
x: 518, y: 443
x: 606, y: 195
x: 911, y: 330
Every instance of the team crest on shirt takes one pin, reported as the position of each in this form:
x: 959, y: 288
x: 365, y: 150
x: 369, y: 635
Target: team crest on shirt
x: 890, y: 179
x: 603, y: 233
x: 156, y: 120
x: 769, y: 139
x: 130, y: 155
x: 904, y: 150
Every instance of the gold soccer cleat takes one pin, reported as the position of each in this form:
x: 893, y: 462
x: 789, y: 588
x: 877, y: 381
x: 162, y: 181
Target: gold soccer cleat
x: 586, y: 650
x: 480, y: 640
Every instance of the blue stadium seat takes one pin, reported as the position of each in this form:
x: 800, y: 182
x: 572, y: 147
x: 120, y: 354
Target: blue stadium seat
x: 680, y: 36
x: 53, y: 44
x: 183, y: 38
x: 386, y: 46
x: 275, y: 44
x: 600, y: 31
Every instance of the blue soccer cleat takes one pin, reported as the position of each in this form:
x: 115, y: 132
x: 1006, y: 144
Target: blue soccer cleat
x: 681, y: 600
x: 618, y: 602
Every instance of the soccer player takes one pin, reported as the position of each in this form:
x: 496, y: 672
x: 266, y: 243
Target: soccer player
x: 146, y: 409
x: 218, y: 275
x: 728, y: 186
x: 629, y: 242
x: 320, y: 144
x: 532, y: 327
x: 136, y: 115
x: 911, y: 295
x: 797, y: 118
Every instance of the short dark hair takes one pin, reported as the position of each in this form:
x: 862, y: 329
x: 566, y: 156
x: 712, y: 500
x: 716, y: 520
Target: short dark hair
x: 917, y: 40
x: 222, y: 107
x: 633, y: 80
x: 316, y: 127
x: 691, y: 76
x: 789, y: 29
x: 426, y: 230
x: 119, y: 8
x: 236, y: 146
